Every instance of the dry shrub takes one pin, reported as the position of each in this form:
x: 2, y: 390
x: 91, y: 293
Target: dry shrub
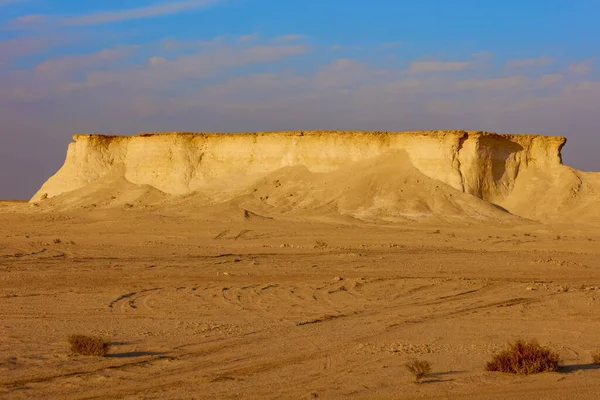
x: 418, y: 368
x: 89, y: 345
x: 524, y: 357
x: 596, y: 357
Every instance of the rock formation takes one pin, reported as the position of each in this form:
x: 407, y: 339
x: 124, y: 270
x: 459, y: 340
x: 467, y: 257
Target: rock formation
x: 514, y: 172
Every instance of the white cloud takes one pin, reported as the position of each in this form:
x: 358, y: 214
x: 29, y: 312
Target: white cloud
x: 105, y: 69
x: 550, y: 79
x: 61, y: 65
x: 29, y: 19
x: 24, y: 46
x: 437, y: 66
x: 342, y: 47
x: 9, y: 2
x: 249, y: 38
x: 290, y: 38
x: 505, y: 83
x: 581, y: 68
x: 168, y: 8
x: 529, y: 62
x: 104, y: 17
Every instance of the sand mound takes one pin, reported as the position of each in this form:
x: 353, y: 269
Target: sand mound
x: 109, y: 191
x: 559, y: 194
x: 387, y: 187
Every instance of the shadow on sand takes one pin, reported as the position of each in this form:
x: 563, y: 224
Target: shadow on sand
x: 565, y: 369
x: 133, y: 354
x: 438, y: 377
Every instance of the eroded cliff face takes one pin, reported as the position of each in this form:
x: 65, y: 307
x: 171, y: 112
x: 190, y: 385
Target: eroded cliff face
x: 482, y: 164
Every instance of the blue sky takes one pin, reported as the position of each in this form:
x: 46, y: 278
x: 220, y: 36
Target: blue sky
x: 125, y: 66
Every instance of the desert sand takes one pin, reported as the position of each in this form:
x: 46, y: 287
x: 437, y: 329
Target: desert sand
x: 301, y: 265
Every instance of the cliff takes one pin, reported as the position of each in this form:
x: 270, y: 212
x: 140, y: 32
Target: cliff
x: 488, y: 166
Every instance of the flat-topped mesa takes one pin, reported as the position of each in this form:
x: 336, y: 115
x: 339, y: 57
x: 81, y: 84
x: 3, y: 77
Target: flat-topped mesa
x: 479, y: 163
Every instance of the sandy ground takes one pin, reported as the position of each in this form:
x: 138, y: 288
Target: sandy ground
x: 200, y: 307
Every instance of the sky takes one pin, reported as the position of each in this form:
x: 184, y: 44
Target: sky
x: 129, y: 66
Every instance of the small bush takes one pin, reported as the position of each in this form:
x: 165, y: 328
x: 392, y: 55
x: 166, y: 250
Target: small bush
x: 596, y: 357
x: 89, y: 345
x: 418, y: 368
x: 524, y: 357
x: 320, y: 245
x: 57, y: 241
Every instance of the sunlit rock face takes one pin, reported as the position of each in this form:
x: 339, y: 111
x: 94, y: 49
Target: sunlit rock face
x: 498, y: 168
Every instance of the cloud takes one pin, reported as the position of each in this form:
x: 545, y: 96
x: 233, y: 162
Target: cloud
x: 581, y: 68
x: 550, y: 79
x: 168, y: 8
x: 348, y: 72
x: 171, y: 45
x: 529, y: 62
x: 9, y: 2
x: 249, y: 38
x: 28, y: 20
x: 24, y: 46
x: 437, y: 66
x: 105, y: 17
x: 505, y: 83
x: 266, y: 84
x: 63, y: 65
x: 289, y: 38
x: 343, y: 47
x: 114, y: 69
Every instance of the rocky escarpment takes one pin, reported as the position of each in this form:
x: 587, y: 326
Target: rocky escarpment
x: 485, y: 165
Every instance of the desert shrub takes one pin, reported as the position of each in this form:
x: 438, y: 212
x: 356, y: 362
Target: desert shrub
x: 418, y: 368
x: 89, y: 345
x: 320, y: 245
x: 596, y: 357
x: 524, y: 357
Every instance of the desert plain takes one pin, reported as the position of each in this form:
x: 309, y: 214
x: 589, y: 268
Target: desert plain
x: 291, y: 283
